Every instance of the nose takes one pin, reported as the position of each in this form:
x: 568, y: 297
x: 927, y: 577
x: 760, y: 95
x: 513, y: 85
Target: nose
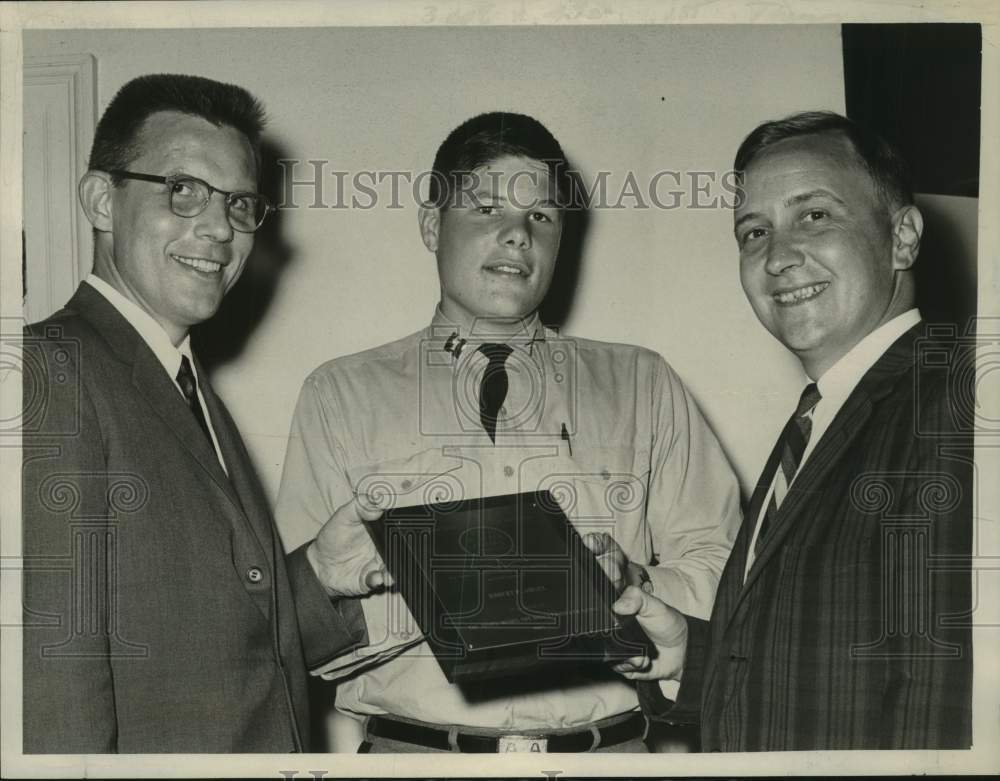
x: 213, y: 223
x: 516, y: 233
x: 783, y: 253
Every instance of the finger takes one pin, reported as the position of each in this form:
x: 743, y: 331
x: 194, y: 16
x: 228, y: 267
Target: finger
x: 374, y: 579
x: 368, y: 508
x: 635, y: 664
x: 595, y: 543
x: 630, y: 602
x: 375, y: 575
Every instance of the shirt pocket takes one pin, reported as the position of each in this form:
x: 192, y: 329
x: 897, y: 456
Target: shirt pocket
x: 604, y: 489
x: 427, y: 477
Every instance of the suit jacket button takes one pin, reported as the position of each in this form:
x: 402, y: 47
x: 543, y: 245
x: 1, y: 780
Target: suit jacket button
x: 254, y: 575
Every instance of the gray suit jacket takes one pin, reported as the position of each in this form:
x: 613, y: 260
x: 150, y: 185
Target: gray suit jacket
x: 161, y: 614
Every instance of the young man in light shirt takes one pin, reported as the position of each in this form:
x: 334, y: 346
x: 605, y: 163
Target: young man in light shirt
x: 608, y: 428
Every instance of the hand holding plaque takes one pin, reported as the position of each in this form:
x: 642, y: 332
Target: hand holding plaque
x: 666, y: 628
x: 503, y: 584
x: 343, y: 556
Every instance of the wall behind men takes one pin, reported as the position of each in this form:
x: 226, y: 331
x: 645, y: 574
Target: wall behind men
x: 325, y: 282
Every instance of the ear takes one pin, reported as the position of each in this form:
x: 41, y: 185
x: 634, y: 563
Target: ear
x: 907, y: 227
x: 94, y: 192
x: 430, y: 222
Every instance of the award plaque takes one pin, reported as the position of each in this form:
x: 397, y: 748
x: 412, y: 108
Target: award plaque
x: 503, y: 584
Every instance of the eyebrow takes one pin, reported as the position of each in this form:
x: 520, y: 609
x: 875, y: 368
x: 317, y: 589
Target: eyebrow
x: 483, y: 195
x: 794, y: 200
x: 818, y: 193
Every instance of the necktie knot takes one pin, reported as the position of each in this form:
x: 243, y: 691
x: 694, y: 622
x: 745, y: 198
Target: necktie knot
x: 497, y: 352
x: 189, y: 387
x: 493, y: 388
x: 810, y: 398
x: 791, y: 448
x: 185, y: 378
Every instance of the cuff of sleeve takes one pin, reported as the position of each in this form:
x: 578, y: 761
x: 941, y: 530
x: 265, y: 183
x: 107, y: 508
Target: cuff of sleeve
x: 684, y: 707
x: 669, y: 689
x: 328, y: 628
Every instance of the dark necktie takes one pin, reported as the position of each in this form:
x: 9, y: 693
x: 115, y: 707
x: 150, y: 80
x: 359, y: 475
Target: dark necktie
x: 493, y: 388
x: 791, y: 444
x: 189, y: 386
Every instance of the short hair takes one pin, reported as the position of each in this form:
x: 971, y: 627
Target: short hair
x: 879, y: 158
x: 486, y: 138
x: 117, y: 138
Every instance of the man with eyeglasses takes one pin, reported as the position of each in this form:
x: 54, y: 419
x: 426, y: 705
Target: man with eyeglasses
x: 160, y: 614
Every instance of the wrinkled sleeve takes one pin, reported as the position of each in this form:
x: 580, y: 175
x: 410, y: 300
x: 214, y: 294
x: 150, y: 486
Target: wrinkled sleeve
x: 694, y: 506
x: 327, y: 627
x: 314, y: 484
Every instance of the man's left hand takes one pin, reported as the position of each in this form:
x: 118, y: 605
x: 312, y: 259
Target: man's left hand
x: 343, y: 554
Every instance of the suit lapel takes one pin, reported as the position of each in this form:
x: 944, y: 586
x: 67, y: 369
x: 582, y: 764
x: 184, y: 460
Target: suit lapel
x: 241, y: 473
x: 152, y: 382
x: 845, y: 427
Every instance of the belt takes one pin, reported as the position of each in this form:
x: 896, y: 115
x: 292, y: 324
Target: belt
x: 565, y: 742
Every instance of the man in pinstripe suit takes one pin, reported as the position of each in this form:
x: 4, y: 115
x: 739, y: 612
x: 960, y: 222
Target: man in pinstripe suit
x: 842, y: 617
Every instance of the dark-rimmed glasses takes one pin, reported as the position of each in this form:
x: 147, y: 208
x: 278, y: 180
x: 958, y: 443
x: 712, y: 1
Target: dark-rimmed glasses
x: 189, y: 196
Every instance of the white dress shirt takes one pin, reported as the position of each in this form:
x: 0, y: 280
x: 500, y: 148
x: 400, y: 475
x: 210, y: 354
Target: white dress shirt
x: 835, y: 385
x: 156, y: 339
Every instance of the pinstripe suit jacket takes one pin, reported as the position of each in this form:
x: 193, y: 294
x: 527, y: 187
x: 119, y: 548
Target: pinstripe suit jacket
x: 851, y: 629
x: 160, y: 612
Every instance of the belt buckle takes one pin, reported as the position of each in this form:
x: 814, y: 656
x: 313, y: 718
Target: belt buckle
x: 522, y: 744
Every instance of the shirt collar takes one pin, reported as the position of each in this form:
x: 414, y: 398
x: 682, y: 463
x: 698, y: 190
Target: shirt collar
x: 840, y: 379
x: 457, y: 340
x: 149, y: 330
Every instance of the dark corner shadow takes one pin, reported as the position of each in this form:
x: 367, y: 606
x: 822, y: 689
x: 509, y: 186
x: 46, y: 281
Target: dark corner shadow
x: 946, y: 272
x: 558, y: 302
x: 223, y: 337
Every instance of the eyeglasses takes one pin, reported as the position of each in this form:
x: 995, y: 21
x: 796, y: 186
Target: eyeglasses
x: 189, y: 196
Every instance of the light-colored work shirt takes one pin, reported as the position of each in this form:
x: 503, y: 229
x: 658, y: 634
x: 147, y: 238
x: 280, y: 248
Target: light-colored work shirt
x: 163, y: 348
x: 637, y: 460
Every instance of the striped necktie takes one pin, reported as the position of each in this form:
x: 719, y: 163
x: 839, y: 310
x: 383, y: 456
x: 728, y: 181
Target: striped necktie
x: 189, y: 386
x: 791, y: 444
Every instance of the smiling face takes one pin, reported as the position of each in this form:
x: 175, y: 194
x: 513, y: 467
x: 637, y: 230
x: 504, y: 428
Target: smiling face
x: 496, y: 248
x: 176, y: 268
x: 822, y: 262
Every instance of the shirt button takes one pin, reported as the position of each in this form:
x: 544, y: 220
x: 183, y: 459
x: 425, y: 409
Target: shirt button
x: 503, y: 411
x: 508, y: 471
x: 407, y: 485
x: 254, y: 575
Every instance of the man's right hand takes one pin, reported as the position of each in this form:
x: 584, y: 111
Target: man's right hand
x: 665, y: 626
x: 343, y: 554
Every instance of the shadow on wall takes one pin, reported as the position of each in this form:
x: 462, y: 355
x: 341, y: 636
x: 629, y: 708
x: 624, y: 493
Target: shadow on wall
x: 946, y: 271
x: 558, y: 303
x: 223, y: 337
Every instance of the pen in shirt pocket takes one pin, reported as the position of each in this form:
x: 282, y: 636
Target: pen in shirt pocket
x: 564, y: 436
